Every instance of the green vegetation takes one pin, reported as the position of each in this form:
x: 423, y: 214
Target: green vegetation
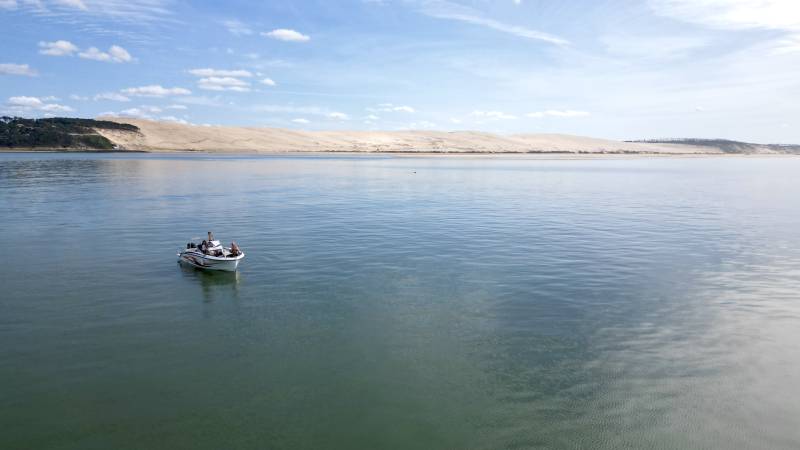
x: 728, y: 146
x: 58, y: 133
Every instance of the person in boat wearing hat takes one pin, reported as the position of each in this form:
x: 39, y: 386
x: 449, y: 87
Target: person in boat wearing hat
x: 235, y: 249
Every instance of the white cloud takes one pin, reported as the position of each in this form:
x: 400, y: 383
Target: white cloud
x: 8, y: 4
x: 557, y: 113
x: 268, y: 82
x: 420, y: 125
x: 155, y: 90
x: 17, y: 69
x: 179, y: 107
x: 223, y: 84
x: 283, y: 34
x: 733, y: 14
x: 455, y: 120
x: 78, y: 97
x: 237, y: 28
x: 301, y: 121
x: 338, y: 116
x: 652, y: 46
x: 305, y: 110
x: 66, y: 48
x: 119, y: 54
x: 388, y: 107
x: 27, y: 104
x: 133, y: 112
x: 78, y: 4
x: 175, y: 119
x: 452, y: 11
x: 493, y: 115
x: 208, y: 72
x: 115, y: 54
x: 57, y: 48
x: 113, y: 96
x: 52, y: 107
x: 791, y: 44
x: 372, y: 117
x: 144, y: 112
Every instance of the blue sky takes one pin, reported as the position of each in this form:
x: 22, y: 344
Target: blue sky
x: 616, y: 69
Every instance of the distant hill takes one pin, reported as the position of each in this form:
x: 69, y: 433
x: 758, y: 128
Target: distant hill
x: 729, y: 146
x: 113, y: 133
x: 58, y: 133
x: 172, y: 136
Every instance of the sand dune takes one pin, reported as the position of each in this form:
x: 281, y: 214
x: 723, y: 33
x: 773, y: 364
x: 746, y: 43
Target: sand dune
x: 170, y: 136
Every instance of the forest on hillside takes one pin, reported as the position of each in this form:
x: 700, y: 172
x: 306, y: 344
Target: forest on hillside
x: 58, y: 133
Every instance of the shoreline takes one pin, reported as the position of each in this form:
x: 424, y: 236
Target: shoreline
x: 555, y: 155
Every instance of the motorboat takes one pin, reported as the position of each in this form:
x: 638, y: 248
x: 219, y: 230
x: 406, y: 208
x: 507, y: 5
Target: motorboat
x: 211, y: 255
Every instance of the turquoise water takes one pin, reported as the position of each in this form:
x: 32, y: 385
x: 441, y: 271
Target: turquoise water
x: 399, y: 302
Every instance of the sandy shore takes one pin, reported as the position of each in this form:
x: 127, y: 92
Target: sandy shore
x: 169, y: 136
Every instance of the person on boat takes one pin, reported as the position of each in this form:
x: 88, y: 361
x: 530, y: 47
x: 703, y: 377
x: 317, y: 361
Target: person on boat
x: 203, y: 247
x: 235, y: 249
x: 210, y: 237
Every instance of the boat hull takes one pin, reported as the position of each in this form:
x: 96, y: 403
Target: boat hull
x: 208, y: 262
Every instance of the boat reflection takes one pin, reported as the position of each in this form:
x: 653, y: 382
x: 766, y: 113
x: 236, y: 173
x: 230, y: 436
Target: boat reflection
x: 214, y: 283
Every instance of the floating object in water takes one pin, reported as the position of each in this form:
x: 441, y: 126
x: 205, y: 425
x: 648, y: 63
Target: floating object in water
x: 211, y: 255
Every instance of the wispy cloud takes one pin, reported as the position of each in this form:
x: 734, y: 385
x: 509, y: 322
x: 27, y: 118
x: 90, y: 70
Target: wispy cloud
x: 208, y: 72
x: 122, y: 10
x: 77, y: 4
x: 223, y: 84
x: 222, y: 79
x: 389, y: 107
x: 283, y: 34
x: 237, y: 27
x: 155, y: 90
x: 558, y: 113
x: 492, y: 115
x: 338, y: 116
x: 774, y: 15
x: 733, y: 14
x: 113, y: 96
x: 17, y: 69
x: 306, y: 110
x: 453, y: 11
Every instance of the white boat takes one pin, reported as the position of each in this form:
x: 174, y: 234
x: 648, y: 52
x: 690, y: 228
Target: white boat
x: 211, y: 257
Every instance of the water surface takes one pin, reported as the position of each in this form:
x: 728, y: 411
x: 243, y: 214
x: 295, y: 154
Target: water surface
x: 400, y: 302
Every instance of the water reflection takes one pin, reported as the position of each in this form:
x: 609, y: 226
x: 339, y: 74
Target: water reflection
x: 213, y: 283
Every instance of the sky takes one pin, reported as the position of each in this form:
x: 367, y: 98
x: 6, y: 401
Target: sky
x: 619, y: 69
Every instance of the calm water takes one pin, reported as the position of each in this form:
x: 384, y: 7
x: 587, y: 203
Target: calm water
x: 431, y: 303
